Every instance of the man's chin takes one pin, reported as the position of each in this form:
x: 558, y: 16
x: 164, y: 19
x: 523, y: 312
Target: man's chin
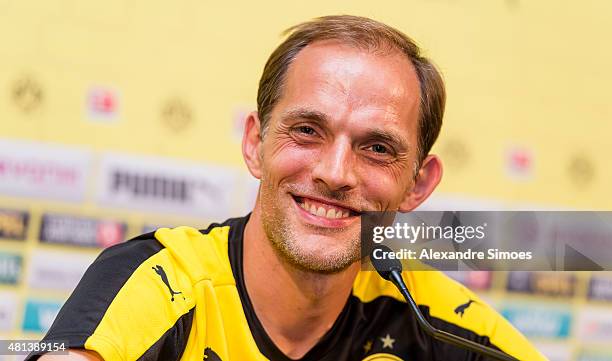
x: 324, y: 257
x: 319, y: 265
x: 312, y: 248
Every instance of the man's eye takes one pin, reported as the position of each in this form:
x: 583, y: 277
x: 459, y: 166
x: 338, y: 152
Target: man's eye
x: 306, y: 130
x: 379, y: 148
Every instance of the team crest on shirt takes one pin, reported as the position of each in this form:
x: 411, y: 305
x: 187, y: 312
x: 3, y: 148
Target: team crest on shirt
x: 382, y: 357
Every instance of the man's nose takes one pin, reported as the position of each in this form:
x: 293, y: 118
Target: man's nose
x: 336, y: 166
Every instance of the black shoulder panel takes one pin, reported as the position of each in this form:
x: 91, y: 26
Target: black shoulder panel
x: 171, y: 345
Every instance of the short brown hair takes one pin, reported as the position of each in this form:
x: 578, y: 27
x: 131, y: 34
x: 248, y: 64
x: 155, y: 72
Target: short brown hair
x: 362, y: 33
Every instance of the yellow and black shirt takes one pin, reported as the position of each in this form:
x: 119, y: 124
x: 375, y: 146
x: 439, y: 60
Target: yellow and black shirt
x: 179, y: 294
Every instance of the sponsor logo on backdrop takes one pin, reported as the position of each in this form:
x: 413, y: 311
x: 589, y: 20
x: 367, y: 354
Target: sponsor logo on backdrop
x: 10, y: 268
x: 8, y: 308
x: 600, y: 288
x: 27, y: 94
x: 581, y: 170
x: 478, y: 280
x: 594, y: 324
x: 57, y: 270
x: 513, y: 4
x: 455, y: 154
x: 13, y: 224
x: 43, y: 171
x: 81, y: 231
x: 39, y: 315
x: 519, y: 163
x: 540, y: 321
x: 176, y: 115
x: 167, y: 186
x: 102, y: 104
x: 542, y: 283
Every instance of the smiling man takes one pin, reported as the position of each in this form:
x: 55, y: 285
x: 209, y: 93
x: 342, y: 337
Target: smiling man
x: 347, y: 113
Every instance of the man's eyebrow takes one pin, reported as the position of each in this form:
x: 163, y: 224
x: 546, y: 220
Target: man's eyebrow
x: 389, y: 137
x: 376, y: 134
x: 304, y: 113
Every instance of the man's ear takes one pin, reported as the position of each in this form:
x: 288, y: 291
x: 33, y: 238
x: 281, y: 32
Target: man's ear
x: 251, y: 144
x: 426, y: 181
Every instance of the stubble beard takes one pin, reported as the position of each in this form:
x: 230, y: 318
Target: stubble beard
x: 289, y: 245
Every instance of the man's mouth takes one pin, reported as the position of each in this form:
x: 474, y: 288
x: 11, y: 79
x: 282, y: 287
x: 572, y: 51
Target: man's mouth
x: 324, y: 209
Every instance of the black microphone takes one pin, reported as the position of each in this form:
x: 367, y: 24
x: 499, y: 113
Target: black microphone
x: 391, y: 270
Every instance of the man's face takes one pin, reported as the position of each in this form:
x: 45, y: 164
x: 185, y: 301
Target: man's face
x: 341, y: 140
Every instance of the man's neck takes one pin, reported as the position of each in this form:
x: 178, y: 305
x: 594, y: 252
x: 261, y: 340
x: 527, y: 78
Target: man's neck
x: 295, y: 307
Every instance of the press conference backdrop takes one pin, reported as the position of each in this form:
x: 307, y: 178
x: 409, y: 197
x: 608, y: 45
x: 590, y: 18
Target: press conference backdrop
x: 117, y: 117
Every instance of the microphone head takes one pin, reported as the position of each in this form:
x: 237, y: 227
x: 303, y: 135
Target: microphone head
x: 384, y: 266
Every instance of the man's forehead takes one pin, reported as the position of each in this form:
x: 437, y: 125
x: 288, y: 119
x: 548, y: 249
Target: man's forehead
x: 336, y: 78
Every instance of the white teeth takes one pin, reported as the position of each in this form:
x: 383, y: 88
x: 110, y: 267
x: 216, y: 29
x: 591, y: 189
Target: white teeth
x: 313, y: 209
x: 331, y: 213
x: 321, y: 212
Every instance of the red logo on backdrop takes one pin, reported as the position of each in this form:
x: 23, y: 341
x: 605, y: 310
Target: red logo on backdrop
x: 479, y: 279
x: 38, y: 171
x: 519, y: 162
x: 109, y: 233
x: 102, y: 104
